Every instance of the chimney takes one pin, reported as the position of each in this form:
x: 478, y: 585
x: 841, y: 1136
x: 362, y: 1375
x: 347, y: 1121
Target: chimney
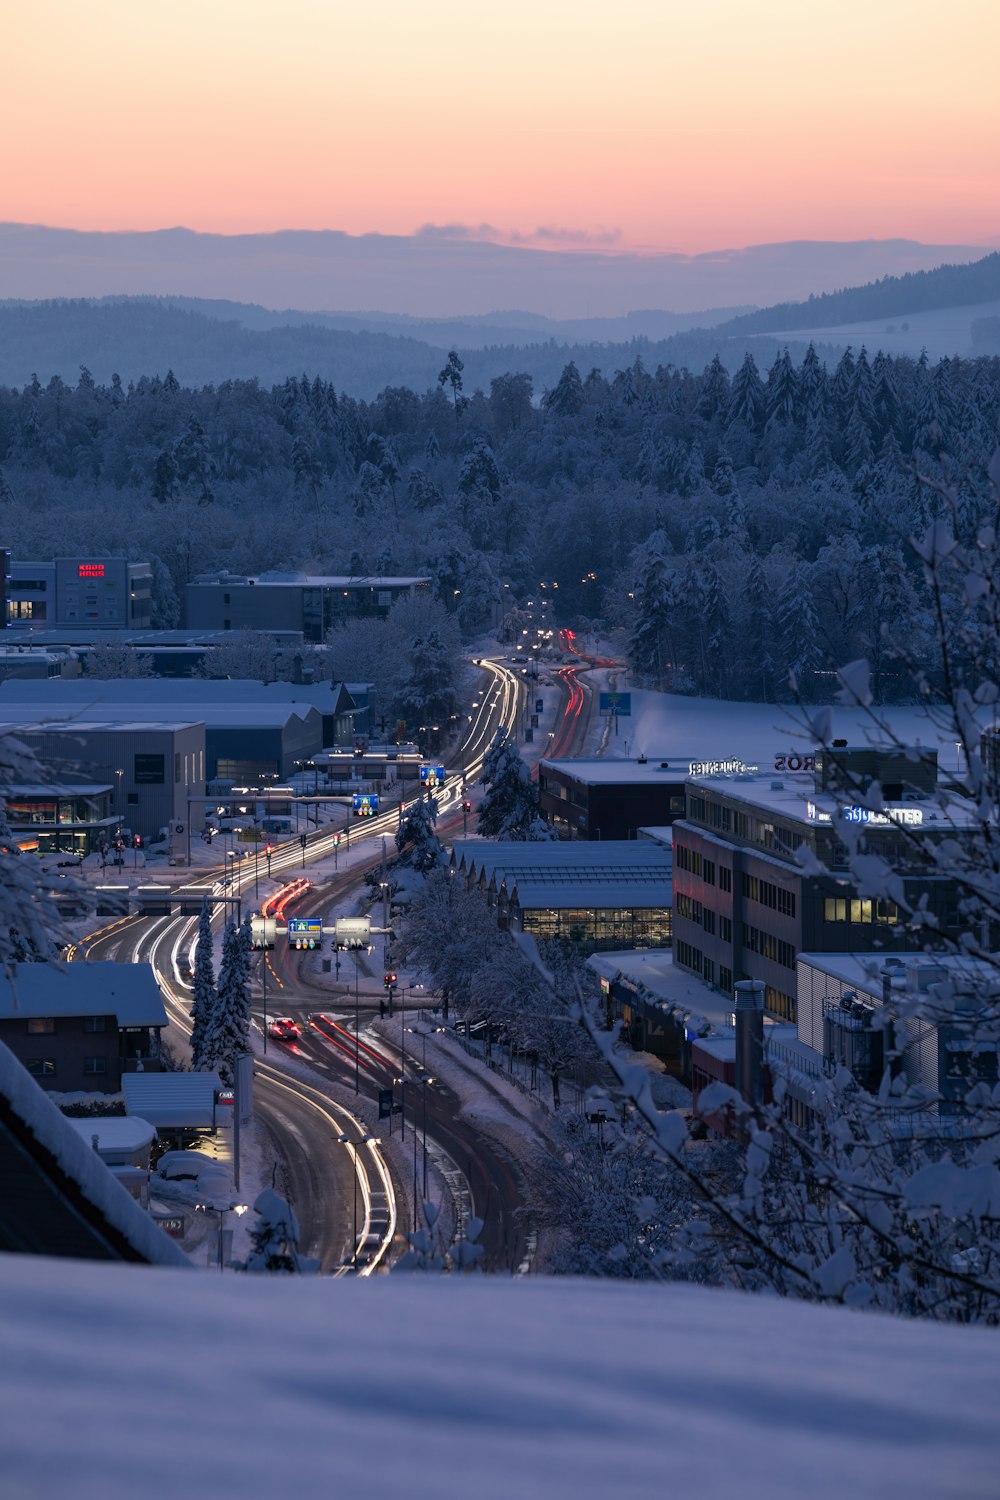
x: 750, y: 1040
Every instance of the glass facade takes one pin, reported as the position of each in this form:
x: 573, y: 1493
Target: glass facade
x: 601, y: 929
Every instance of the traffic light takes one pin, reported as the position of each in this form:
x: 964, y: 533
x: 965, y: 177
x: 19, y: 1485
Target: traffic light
x: 303, y: 839
x: 336, y: 840
x: 390, y: 979
x: 137, y: 841
x: 466, y: 806
x: 268, y: 851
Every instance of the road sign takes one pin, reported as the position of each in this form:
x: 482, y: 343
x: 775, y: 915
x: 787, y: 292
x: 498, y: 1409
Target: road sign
x: 365, y: 804
x: 305, y: 932
x: 384, y: 1103
x: 432, y: 776
x: 619, y: 704
x: 263, y: 931
x: 353, y: 932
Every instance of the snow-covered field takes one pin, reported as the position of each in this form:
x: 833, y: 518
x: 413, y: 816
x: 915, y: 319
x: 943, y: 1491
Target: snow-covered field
x: 119, y: 1382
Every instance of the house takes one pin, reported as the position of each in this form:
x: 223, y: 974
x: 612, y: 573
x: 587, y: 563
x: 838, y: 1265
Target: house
x: 79, y: 1027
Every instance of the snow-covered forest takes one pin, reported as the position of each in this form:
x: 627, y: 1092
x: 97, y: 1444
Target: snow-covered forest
x: 736, y: 527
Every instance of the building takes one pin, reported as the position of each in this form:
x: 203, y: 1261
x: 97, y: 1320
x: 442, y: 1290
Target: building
x: 620, y: 900
x: 57, y: 1197
x: 169, y: 653
x: 36, y: 662
x: 746, y: 899
x: 662, y: 1009
x: 93, y: 593
x: 610, y: 799
x: 846, y: 999
x: 292, y: 601
x: 79, y: 1027
x: 55, y: 818
x: 156, y: 768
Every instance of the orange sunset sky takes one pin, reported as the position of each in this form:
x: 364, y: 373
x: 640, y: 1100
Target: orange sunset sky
x: 644, y: 124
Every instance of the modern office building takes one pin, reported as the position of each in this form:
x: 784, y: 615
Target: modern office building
x: 93, y: 593
x: 292, y: 601
x: 56, y: 818
x: 746, y: 899
x: 157, y: 768
x: 611, y: 799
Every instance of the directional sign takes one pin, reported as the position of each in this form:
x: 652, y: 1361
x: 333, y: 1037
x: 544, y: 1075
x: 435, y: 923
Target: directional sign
x: 305, y: 932
x: 616, y: 703
x: 432, y: 776
x: 365, y: 804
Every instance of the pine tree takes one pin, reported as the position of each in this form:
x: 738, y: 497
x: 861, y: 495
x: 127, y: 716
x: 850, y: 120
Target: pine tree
x: 509, y: 811
x: 566, y: 400
x: 797, y: 645
x: 654, y: 597
x: 746, y: 402
x: 416, y: 839
x: 781, y: 393
x: 203, y: 1004
x: 229, y: 1028
x: 274, y: 1241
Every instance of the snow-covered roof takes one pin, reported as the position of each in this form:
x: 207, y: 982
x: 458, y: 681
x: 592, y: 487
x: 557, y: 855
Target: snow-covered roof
x: 187, y: 691
x: 278, y: 580
x: 64, y: 1188
x: 166, y: 714
x: 794, y: 796
x: 617, y: 771
x: 561, y: 860
x: 171, y: 1101
x: 661, y: 984
x: 862, y: 971
x: 115, y: 1133
x: 59, y: 789
x: 537, y: 1386
x: 129, y: 992
x: 91, y: 719
x: 534, y: 894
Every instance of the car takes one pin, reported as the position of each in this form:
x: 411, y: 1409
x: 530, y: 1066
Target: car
x: 283, y: 1029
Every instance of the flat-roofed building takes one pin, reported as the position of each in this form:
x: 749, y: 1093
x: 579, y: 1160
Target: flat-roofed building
x: 312, y: 604
x: 93, y: 592
x: 619, y: 898
x: 761, y: 872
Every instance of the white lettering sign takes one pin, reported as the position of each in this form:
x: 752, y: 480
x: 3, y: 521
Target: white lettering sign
x: 719, y: 768
x: 794, y: 762
x: 911, y: 817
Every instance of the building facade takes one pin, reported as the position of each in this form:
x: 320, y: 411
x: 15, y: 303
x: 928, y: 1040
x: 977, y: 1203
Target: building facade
x: 748, y: 892
x: 292, y: 601
x: 97, y: 593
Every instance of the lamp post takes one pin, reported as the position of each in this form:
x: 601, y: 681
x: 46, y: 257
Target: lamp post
x: 357, y: 1022
x: 263, y: 980
x: 221, y: 1208
x: 256, y: 859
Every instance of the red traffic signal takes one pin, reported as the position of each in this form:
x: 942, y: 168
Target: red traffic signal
x: 466, y: 806
x: 390, y: 980
x: 137, y: 841
x: 268, y: 850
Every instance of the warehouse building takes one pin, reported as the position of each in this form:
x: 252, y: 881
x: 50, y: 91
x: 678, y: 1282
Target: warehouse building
x: 275, y: 600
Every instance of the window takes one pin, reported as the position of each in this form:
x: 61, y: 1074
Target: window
x: 149, y: 770
x: 725, y: 978
x: 834, y: 909
x: 709, y: 972
x: 708, y: 871
x: 769, y: 946
x: 41, y: 1026
x: 725, y: 878
x: 682, y: 854
x: 41, y: 1067
x: 726, y: 929
x: 765, y: 893
x: 708, y: 921
x: 687, y: 907
x: 779, y: 1003
x: 95, y: 1065
x: 92, y: 1024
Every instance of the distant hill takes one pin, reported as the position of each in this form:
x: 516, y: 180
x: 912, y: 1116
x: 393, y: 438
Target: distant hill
x: 891, y: 297
x: 132, y: 337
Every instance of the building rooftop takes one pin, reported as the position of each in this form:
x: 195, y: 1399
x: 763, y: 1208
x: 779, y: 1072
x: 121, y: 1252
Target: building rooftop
x: 794, y: 797
x: 129, y: 992
x: 533, y: 892
x: 663, y: 986
x: 276, y: 579
x: 914, y: 971
x: 172, y: 1101
x: 115, y: 1133
x: 615, y: 772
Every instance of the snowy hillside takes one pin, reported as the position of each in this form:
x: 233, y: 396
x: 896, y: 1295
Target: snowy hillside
x: 177, y: 1384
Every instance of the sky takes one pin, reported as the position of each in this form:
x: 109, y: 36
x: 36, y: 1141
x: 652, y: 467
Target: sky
x: 638, y: 125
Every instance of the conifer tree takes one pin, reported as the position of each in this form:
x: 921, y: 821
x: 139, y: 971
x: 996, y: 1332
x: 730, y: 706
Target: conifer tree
x: 510, y: 808
x: 203, y: 1004
x: 229, y: 1028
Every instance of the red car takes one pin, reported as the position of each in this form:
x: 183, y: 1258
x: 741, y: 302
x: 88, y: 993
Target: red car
x: 283, y: 1029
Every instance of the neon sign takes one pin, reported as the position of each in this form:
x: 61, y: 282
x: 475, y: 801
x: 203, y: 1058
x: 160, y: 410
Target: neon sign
x: 90, y: 570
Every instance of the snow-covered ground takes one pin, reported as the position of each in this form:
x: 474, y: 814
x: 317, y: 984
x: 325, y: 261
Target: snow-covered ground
x: 118, y: 1382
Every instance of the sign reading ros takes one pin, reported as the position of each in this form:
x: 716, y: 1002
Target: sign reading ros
x: 794, y: 762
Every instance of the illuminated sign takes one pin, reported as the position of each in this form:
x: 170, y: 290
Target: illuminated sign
x: 90, y: 570
x: 911, y: 817
x: 794, y: 762
x: 432, y: 775
x: 718, y: 767
x: 365, y: 804
x: 305, y: 932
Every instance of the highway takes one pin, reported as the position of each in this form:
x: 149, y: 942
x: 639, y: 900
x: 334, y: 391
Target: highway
x: 307, y: 1125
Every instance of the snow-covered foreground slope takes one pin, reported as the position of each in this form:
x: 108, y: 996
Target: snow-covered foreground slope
x: 121, y: 1382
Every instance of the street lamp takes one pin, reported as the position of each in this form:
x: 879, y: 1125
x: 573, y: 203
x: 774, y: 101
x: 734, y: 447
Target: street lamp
x: 221, y: 1208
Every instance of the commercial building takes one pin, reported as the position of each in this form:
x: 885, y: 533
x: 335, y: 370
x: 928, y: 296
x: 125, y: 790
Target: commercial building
x: 53, y: 818
x: 79, y: 1027
x: 251, y: 731
x: 92, y: 593
x: 620, y: 900
x: 169, y: 653
x: 154, y: 767
x: 749, y: 895
x: 291, y: 601
x: 610, y: 799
